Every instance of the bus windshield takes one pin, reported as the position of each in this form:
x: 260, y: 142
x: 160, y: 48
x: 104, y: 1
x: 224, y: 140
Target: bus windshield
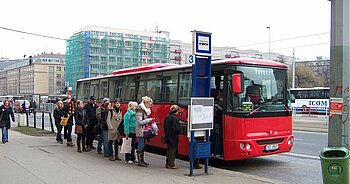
x: 265, y: 89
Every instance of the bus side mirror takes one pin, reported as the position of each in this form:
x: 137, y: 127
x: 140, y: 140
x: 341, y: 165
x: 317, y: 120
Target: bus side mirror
x: 237, y: 83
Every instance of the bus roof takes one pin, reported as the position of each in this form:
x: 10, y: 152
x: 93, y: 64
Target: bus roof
x: 168, y: 66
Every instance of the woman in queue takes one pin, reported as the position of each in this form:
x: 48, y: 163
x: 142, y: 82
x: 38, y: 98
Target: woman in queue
x: 130, y: 130
x: 114, y: 118
x: 81, y: 125
x: 58, y: 113
x: 142, y: 113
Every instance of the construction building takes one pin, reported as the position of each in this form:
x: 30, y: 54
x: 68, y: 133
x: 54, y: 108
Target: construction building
x: 94, y: 51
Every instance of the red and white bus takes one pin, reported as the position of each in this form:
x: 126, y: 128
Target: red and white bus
x: 249, y: 126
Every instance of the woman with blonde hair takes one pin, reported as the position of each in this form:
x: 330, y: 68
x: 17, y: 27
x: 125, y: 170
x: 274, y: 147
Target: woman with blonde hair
x: 130, y: 130
x: 142, y: 113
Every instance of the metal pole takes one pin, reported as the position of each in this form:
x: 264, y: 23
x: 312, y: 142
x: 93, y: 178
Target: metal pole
x: 269, y: 28
x: 34, y: 119
x: 206, y: 159
x: 192, y: 153
x: 42, y: 121
x: 27, y: 118
x: 52, y: 130
x: 293, y: 79
x: 338, y: 127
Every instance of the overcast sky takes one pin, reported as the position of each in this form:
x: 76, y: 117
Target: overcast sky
x: 236, y: 23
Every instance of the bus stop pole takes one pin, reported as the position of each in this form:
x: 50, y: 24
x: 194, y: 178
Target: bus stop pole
x: 206, y: 159
x: 192, y: 153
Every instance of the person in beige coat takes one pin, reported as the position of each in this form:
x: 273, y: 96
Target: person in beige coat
x: 114, y: 118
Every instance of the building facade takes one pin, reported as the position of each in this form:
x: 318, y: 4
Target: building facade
x: 42, y: 74
x: 94, y: 51
x: 180, y: 52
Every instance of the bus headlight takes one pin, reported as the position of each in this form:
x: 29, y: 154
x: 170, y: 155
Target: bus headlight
x: 247, y: 146
x: 290, y: 141
x: 241, y: 145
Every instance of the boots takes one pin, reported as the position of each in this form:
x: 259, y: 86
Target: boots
x: 70, y: 144
x: 111, y: 158
x: 117, y: 158
x: 79, y: 148
x: 140, y: 159
x: 84, y: 146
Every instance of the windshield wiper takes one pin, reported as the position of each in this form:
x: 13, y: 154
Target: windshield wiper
x: 287, y: 109
x: 254, y: 111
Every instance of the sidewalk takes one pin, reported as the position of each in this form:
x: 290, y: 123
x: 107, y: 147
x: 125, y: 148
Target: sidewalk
x: 31, y: 160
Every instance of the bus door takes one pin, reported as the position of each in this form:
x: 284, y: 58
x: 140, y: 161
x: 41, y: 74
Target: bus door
x: 217, y: 85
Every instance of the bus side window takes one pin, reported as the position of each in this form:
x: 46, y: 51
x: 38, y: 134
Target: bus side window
x: 185, y: 88
x: 169, y: 87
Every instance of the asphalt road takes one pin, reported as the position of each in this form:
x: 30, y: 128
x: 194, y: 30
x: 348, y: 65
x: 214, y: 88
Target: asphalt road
x: 302, y: 165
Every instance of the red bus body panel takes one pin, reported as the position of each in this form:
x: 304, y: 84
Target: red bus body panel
x: 254, y: 130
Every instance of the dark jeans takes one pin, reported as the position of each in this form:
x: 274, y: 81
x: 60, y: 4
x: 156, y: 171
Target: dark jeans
x: 90, y: 136
x: 110, y: 147
x: 59, y: 132
x: 68, y: 132
x: 131, y: 156
x: 170, y: 157
x: 82, y: 135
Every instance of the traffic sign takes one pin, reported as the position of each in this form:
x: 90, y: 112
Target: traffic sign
x: 201, y: 43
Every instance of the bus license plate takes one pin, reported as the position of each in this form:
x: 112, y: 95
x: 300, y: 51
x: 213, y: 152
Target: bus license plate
x: 271, y: 147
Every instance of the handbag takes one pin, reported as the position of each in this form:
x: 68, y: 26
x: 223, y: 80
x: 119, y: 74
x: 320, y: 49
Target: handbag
x: 64, y: 120
x: 78, y: 129
x: 148, y: 133
x: 126, y: 145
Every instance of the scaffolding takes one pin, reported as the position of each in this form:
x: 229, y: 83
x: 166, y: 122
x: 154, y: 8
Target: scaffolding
x: 91, y: 53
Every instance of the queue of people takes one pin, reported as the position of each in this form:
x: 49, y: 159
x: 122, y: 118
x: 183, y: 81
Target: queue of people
x: 103, y: 123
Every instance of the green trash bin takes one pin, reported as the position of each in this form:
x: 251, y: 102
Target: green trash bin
x: 335, y: 165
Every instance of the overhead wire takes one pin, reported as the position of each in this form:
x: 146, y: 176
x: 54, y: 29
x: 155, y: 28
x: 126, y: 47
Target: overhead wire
x: 285, y: 39
x: 252, y: 44
x: 34, y: 34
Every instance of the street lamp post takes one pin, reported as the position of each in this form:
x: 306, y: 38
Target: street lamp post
x: 269, y: 28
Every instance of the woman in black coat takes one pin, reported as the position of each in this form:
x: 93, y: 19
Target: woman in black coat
x: 81, y: 125
x: 58, y: 113
x: 5, y: 113
x: 172, y: 131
